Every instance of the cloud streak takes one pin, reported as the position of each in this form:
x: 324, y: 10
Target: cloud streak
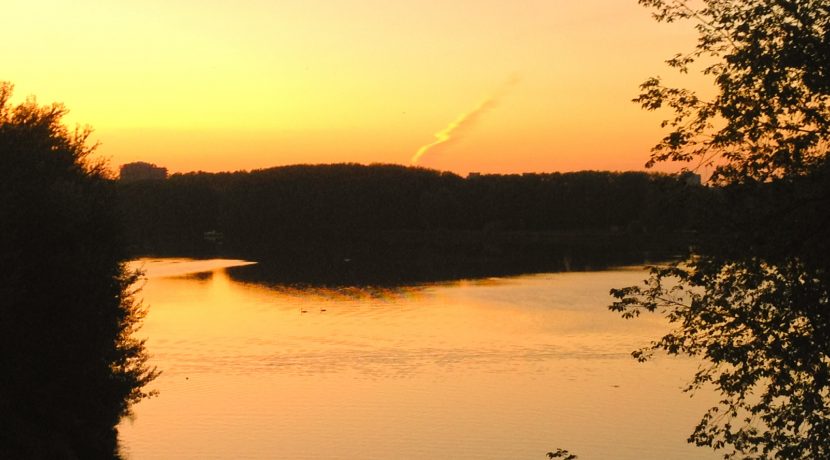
x: 455, y: 130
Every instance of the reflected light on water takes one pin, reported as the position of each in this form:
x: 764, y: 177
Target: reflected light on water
x: 171, y: 267
x: 498, y: 368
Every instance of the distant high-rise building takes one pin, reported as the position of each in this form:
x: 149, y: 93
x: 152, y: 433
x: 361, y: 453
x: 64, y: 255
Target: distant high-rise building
x: 140, y: 170
x: 690, y: 178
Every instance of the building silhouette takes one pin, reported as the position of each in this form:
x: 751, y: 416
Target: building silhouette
x: 140, y: 170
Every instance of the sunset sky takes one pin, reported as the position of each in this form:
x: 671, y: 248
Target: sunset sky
x: 214, y: 85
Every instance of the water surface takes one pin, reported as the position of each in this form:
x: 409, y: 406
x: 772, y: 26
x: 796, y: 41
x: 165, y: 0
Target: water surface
x: 500, y: 368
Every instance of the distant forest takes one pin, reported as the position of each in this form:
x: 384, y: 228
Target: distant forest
x: 331, y: 220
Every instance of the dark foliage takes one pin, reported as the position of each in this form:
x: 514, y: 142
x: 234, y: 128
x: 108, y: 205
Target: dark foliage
x: 70, y: 366
x: 753, y: 298
x: 386, y: 223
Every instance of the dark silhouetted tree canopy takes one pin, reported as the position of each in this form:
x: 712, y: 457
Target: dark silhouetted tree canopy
x: 769, y: 60
x: 390, y: 219
x: 753, y: 298
x: 70, y: 366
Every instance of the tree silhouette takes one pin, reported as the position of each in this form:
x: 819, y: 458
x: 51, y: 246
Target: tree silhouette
x: 752, y: 298
x: 71, y: 366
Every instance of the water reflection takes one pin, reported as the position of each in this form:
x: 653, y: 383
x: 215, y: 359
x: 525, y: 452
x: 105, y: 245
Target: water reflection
x: 172, y: 267
x: 345, y: 293
x: 492, y: 368
x: 396, y: 267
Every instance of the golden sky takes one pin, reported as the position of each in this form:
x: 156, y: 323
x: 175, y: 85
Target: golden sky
x: 217, y: 85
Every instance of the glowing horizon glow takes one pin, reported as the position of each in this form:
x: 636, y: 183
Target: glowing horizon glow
x: 218, y: 86
x: 465, y: 120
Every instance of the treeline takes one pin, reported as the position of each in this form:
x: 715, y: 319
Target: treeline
x: 342, y: 214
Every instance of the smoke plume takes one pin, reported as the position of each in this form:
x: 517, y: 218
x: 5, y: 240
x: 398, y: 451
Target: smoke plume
x: 464, y: 122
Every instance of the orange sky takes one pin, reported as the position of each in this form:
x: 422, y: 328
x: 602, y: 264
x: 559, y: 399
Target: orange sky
x: 214, y: 85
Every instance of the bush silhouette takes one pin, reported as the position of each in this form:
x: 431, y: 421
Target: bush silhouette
x: 70, y: 367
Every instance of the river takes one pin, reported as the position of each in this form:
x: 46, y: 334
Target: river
x: 498, y: 368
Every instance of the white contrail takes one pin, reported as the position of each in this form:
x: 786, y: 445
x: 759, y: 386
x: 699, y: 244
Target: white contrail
x: 451, y: 132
